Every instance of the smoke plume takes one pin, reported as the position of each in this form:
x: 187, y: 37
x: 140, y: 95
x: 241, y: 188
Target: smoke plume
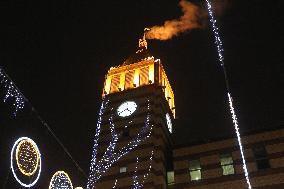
x: 193, y: 17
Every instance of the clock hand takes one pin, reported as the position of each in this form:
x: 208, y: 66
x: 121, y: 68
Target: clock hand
x: 122, y: 111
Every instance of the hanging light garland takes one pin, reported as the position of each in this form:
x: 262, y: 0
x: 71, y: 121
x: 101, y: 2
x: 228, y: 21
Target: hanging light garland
x: 11, y: 92
x: 28, y: 161
x: 115, y: 183
x: 139, y: 184
x: 220, y: 50
x: 60, y: 180
x: 98, y: 167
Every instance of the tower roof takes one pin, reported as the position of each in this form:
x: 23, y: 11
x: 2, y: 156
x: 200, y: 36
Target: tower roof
x: 141, y: 53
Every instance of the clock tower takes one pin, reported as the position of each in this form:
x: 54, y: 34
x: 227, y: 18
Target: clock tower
x: 132, y: 145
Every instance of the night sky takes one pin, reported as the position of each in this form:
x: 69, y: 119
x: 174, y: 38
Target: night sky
x: 57, y: 53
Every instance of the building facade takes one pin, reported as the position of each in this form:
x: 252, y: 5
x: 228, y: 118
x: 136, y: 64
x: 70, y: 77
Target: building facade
x: 218, y: 164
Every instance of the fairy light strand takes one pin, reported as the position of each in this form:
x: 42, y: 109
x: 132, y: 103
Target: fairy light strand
x: 115, y: 183
x: 12, y: 92
x: 235, y: 121
x: 220, y: 50
x: 215, y: 29
x: 139, y: 184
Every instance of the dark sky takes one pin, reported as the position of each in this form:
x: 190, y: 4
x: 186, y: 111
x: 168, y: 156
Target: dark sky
x: 57, y: 52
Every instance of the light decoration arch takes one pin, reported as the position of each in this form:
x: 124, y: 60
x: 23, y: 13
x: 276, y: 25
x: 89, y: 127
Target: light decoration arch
x: 27, y: 158
x: 60, y: 180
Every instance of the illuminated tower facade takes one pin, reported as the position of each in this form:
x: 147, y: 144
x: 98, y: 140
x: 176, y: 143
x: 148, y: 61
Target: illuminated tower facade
x: 132, y: 145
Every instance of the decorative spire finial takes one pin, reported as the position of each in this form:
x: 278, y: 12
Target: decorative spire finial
x: 143, y: 42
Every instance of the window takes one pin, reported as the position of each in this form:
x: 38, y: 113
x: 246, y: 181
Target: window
x: 171, y: 177
x: 115, y: 83
x: 227, y: 165
x: 129, y: 79
x: 122, y: 169
x: 194, y: 170
x: 260, y: 156
x: 144, y: 76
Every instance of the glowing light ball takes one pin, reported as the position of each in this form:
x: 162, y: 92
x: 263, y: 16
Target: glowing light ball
x: 26, y: 162
x: 60, y: 180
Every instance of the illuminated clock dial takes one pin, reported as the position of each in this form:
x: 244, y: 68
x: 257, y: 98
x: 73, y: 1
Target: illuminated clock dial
x: 126, y: 108
x: 169, y: 122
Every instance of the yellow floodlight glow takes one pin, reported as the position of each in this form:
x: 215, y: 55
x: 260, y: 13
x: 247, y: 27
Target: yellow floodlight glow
x: 151, y: 73
x: 122, y: 81
x: 107, y: 84
x: 136, y: 78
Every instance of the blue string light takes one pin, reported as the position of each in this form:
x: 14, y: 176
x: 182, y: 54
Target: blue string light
x: 139, y: 184
x: 11, y: 92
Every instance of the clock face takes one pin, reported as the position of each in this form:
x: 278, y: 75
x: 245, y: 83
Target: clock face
x: 169, y: 122
x: 126, y: 108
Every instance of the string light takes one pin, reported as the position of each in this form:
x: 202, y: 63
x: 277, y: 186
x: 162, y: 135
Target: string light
x: 139, y: 184
x: 60, y: 180
x: 111, y: 156
x: 235, y: 121
x: 11, y: 92
x: 115, y: 183
x: 28, y: 161
x: 220, y: 50
x: 215, y: 29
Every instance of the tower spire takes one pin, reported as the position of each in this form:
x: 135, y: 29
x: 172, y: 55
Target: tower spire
x: 143, y: 42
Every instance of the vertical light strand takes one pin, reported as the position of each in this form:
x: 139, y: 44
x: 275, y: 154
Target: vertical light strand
x: 235, y: 121
x: 139, y: 184
x: 215, y: 29
x: 115, y: 183
x: 220, y: 50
